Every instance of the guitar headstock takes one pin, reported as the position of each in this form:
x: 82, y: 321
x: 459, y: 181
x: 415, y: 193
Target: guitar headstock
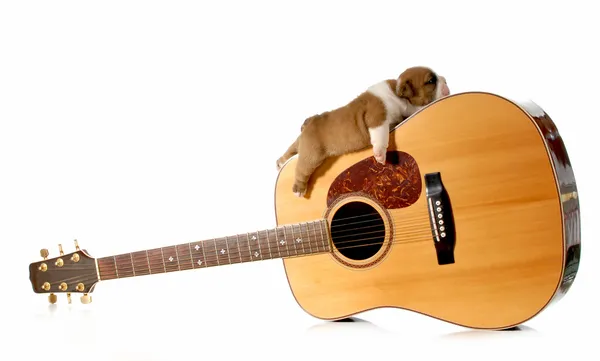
x: 74, y: 272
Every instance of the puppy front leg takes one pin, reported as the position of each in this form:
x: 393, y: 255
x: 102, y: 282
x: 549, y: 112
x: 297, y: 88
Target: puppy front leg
x: 380, y: 137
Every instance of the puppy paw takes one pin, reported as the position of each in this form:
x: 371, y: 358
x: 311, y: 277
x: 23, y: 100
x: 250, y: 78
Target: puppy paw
x: 379, y: 154
x: 280, y: 162
x: 299, y: 189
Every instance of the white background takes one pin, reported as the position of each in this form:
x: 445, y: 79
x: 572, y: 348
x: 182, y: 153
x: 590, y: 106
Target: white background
x: 136, y: 124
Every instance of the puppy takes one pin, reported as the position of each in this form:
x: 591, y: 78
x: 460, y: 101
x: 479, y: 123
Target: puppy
x: 366, y: 121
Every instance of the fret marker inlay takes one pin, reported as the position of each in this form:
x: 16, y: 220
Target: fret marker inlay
x: 280, y: 242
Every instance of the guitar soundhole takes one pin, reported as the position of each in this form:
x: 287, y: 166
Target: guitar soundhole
x: 357, y: 230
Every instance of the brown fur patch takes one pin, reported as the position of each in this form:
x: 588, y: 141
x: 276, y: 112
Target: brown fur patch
x: 417, y: 85
x: 346, y: 129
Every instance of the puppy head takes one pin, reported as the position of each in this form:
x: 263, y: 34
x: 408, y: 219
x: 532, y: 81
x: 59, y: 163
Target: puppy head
x: 421, y: 85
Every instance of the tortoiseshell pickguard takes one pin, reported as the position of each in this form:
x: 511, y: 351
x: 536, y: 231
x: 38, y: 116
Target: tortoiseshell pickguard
x: 397, y: 184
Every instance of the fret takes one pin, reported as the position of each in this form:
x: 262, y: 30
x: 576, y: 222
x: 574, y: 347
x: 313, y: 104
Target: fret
x: 191, y: 255
x: 124, y: 265
x: 210, y: 250
x: 243, y: 248
x: 234, y: 249
x: 116, y: 268
x: 148, y: 260
x: 282, y: 243
x: 324, y: 237
x: 310, y: 234
x: 299, y: 240
x: 107, y: 268
x: 184, y: 257
x: 273, y: 243
x: 318, y: 236
x: 170, y: 259
x: 263, y: 242
x: 221, y: 251
x: 227, y: 250
x: 139, y: 260
x: 157, y: 264
x: 197, y: 250
x: 216, y: 251
x: 306, y: 232
x: 291, y: 240
x: 254, y: 244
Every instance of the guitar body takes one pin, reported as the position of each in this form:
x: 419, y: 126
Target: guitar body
x: 510, y: 209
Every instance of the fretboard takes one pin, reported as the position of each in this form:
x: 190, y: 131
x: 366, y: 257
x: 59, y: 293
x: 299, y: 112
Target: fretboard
x: 285, y: 241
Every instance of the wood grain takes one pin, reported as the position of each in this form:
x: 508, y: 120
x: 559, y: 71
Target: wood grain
x: 510, y: 250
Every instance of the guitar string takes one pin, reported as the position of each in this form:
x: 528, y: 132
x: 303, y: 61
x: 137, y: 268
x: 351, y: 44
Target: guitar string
x: 404, y: 230
x: 213, y: 259
x: 239, y: 249
x: 318, y: 244
x: 128, y: 270
x: 238, y: 258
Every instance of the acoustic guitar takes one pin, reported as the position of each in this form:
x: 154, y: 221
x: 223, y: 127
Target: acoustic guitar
x: 473, y: 220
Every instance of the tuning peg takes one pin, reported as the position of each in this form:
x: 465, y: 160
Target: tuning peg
x: 60, y: 249
x: 69, y: 298
x: 85, y: 299
x: 44, y: 253
x: 77, y: 245
x: 52, y: 298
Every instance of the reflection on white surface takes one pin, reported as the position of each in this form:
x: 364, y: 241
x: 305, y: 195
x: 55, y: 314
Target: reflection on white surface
x: 355, y: 325
x: 351, y: 324
x: 519, y: 331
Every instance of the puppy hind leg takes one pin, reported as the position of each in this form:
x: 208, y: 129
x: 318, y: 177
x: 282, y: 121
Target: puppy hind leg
x: 290, y: 152
x: 305, y: 167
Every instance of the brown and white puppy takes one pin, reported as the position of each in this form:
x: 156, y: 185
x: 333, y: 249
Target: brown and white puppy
x: 365, y: 121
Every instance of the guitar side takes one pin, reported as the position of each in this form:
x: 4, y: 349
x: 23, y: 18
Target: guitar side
x: 514, y: 207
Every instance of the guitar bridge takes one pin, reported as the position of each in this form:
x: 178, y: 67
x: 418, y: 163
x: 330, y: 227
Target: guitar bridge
x: 441, y: 218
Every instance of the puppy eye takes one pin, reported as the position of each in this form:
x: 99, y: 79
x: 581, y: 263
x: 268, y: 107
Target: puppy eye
x: 431, y: 81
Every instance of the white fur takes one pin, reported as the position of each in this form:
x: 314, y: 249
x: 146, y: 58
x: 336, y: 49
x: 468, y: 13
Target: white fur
x: 380, y: 137
x: 439, y: 87
x: 395, y: 108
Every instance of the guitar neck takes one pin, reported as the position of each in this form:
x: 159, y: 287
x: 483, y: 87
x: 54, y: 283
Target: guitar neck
x: 285, y: 241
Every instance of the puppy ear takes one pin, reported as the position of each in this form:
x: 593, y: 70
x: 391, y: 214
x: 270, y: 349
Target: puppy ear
x: 405, y: 88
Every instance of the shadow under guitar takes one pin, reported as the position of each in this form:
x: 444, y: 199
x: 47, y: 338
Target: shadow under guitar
x: 355, y: 324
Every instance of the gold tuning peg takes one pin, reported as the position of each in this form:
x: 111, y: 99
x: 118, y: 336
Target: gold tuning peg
x: 69, y: 298
x: 52, y: 298
x: 60, y: 249
x: 44, y: 253
x: 85, y: 299
x: 77, y: 245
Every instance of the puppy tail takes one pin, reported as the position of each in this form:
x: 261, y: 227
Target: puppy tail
x: 290, y: 152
